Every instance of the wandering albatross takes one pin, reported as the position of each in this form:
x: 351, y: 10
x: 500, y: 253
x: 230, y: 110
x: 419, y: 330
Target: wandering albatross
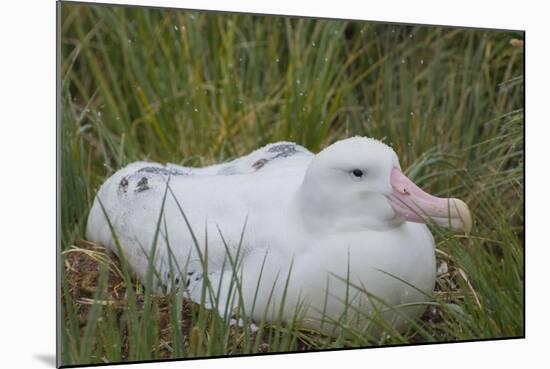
x: 338, y: 232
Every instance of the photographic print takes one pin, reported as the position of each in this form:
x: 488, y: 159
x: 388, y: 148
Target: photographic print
x: 244, y: 184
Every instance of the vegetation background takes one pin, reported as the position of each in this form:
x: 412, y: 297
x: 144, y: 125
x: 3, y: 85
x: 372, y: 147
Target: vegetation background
x: 197, y: 88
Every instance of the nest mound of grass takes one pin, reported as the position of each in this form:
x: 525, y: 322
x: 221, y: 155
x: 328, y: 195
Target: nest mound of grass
x: 82, y: 264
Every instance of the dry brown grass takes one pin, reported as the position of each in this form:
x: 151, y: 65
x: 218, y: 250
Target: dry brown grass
x: 82, y: 268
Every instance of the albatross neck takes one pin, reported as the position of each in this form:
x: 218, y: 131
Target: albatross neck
x: 320, y: 217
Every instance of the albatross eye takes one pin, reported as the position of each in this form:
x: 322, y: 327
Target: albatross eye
x: 357, y: 174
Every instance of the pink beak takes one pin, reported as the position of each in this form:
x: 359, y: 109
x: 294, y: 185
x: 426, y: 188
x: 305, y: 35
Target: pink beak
x: 414, y: 205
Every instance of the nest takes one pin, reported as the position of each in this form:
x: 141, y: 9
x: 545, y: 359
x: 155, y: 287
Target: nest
x: 82, y: 265
x: 83, y: 262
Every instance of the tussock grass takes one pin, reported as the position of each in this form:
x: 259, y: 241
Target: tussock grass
x: 199, y: 88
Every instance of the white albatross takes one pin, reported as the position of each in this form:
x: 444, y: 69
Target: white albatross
x: 339, y: 232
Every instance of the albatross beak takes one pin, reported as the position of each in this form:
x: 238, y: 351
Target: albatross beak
x: 414, y: 205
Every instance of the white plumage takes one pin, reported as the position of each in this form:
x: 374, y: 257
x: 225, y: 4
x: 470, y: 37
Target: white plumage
x: 345, y: 214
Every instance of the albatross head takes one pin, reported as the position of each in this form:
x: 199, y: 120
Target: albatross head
x: 357, y: 184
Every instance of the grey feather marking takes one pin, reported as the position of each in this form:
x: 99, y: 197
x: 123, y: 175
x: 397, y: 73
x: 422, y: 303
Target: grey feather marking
x: 259, y: 163
x: 142, y: 185
x: 163, y: 171
x: 284, y: 149
x: 123, y: 185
